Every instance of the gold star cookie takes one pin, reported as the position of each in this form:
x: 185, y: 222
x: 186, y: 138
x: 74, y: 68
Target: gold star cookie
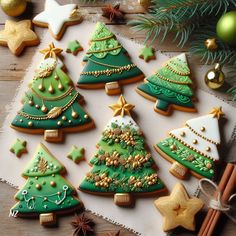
x: 179, y: 209
x: 18, y: 35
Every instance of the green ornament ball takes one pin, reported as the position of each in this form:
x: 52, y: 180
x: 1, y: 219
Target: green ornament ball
x: 226, y: 28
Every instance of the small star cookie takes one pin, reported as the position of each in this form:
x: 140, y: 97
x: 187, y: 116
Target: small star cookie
x: 147, y: 54
x: 18, y: 35
x: 74, y: 47
x: 19, y: 147
x: 76, y: 154
x: 179, y: 209
x: 57, y: 17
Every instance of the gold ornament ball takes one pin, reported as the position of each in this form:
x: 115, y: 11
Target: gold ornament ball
x: 211, y: 44
x: 215, y: 78
x: 13, y: 7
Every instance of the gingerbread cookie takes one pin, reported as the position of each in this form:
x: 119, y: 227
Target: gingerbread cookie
x: 193, y: 148
x: 46, y: 193
x: 179, y: 209
x: 122, y: 166
x: 57, y: 17
x: 19, y: 147
x: 169, y: 87
x: 51, y: 105
x: 147, y: 53
x: 107, y: 63
x: 18, y: 35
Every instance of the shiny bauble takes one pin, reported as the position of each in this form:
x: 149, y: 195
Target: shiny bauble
x: 211, y: 44
x: 226, y: 28
x: 215, y: 78
x: 13, y: 7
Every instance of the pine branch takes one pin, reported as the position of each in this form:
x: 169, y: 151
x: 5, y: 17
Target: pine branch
x: 231, y: 79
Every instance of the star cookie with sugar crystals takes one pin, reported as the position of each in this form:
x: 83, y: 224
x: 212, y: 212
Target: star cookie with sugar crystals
x: 147, y: 54
x: 178, y: 209
x: 19, y: 147
x: 57, y: 17
x: 18, y: 35
x: 76, y: 154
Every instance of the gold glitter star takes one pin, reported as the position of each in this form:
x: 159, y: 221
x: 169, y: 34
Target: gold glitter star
x: 121, y: 107
x: 51, y: 51
x: 217, y: 112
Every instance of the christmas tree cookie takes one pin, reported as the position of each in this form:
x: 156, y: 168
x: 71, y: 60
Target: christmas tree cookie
x: 169, y: 87
x: 193, y: 148
x: 107, y: 63
x: 122, y: 167
x: 51, y: 105
x: 46, y: 193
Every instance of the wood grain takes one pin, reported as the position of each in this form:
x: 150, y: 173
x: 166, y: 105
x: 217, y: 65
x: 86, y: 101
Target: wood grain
x: 12, y: 70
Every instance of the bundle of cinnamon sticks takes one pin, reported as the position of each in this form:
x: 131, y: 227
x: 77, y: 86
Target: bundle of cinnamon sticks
x: 226, y: 186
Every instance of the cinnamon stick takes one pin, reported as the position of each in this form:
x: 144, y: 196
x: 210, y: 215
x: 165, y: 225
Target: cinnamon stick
x: 208, y: 219
x: 225, y: 196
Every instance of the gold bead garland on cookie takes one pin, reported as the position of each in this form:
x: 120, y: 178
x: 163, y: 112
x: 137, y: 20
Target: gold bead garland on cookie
x: 169, y: 80
x: 201, y: 136
x: 190, y: 147
x: 108, y: 72
x: 47, y: 116
x: 177, y: 72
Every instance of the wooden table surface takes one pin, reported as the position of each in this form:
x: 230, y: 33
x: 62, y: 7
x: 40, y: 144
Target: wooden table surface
x: 12, y: 70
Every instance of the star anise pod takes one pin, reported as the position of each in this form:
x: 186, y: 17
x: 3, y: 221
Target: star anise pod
x: 113, y: 13
x: 82, y: 225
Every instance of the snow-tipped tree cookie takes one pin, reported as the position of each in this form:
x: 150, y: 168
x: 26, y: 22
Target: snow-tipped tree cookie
x: 107, y: 63
x: 51, y: 105
x: 193, y: 148
x: 122, y: 167
x: 46, y: 193
x: 169, y: 87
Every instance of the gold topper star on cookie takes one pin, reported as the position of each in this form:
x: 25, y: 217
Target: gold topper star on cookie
x: 121, y: 107
x: 217, y: 112
x: 51, y: 51
x: 178, y: 209
x: 18, y: 35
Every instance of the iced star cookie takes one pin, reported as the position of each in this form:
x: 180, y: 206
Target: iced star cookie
x: 51, y: 106
x: 147, y: 53
x: 179, y: 209
x: 76, y: 154
x: 46, y: 193
x: 19, y: 147
x: 18, y: 35
x: 107, y: 63
x: 57, y: 17
x: 193, y: 148
x: 74, y: 47
x: 170, y: 87
x: 122, y: 166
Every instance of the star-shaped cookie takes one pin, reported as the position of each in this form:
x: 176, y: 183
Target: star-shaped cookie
x: 57, y: 17
x: 179, y: 209
x: 19, y: 147
x: 147, y: 54
x: 74, y: 47
x: 76, y: 154
x: 18, y: 35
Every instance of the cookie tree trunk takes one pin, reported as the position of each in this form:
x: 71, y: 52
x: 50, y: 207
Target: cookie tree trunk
x: 122, y: 166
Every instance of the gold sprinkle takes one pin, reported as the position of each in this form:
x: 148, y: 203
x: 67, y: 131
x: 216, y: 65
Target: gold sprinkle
x: 182, y: 134
x: 86, y: 116
x: 59, y: 123
x: 208, y: 149
x: 30, y: 123
x: 38, y: 186
x: 203, y: 128
x: 64, y: 118
x: 195, y: 141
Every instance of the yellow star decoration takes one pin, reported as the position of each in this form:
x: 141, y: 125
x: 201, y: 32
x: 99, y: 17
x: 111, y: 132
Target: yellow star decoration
x: 18, y: 35
x: 217, y: 112
x: 121, y: 107
x: 51, y: 51
x: 74, y: 13
x: 178, y: 209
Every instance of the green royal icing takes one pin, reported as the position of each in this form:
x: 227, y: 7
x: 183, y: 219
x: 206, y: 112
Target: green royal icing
x: 106, y: 58
x: 40, y: 98
x: 39, y: 195
x: 120, y: 167
x: 187, y: 157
